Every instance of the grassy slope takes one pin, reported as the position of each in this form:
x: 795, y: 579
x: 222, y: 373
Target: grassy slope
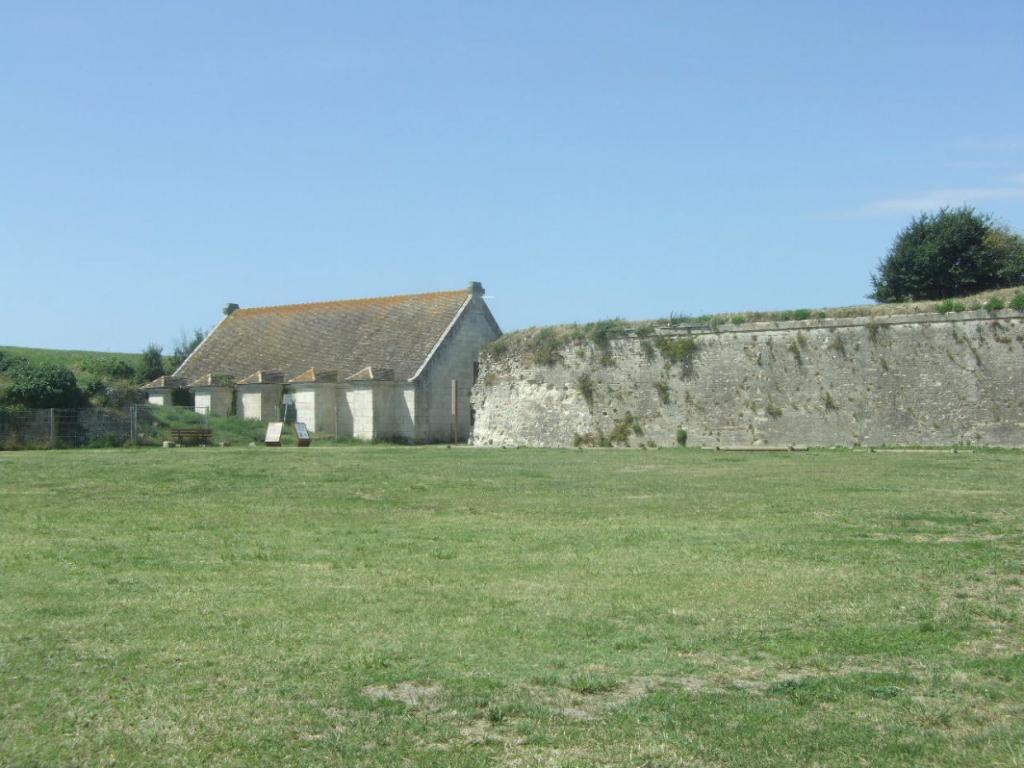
x: 971, y: 302
x: 257, y: 607
x: 74, y: 359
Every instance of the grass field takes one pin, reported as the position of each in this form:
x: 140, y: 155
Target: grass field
x: 383, y: 606
x: 77, y: 360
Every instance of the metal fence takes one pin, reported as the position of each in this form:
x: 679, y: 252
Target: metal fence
x: 78, y: 427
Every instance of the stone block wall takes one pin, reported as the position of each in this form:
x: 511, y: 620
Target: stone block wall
x: 923, y: 379
x: 259, y: 401
x: 214, y: 401
x: 455, y: 359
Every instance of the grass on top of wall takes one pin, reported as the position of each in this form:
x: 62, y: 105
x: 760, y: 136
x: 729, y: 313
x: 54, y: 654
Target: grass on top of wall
x: 546, y: 345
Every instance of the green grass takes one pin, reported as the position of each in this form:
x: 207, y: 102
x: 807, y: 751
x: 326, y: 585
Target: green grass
x: 76, y: 359
x: 229, y: 430
x: 382, y: 606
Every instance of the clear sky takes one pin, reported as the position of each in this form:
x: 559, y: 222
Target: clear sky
x: 583, y: 160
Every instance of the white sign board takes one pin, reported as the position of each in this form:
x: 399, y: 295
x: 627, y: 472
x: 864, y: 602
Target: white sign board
x: 273, y: 437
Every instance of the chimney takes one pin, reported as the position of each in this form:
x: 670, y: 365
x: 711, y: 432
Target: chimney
x: 229, y: 309
x: 476, y: 289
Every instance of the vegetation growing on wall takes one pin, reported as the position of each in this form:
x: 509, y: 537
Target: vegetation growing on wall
x: 546, y: 346
x: 676, y: 349
x: 949, y: 305
x: 585, y: 385
x: 623, y: 428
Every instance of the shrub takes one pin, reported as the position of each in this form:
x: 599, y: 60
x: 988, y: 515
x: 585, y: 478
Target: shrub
x: 795, y: 314
x: 1017, y: 302
x: 681, y: 437
x: 994, y: 304
x: 623, y: 428
x: 109, y: 367
x: 42, y: 385
x: 738, y: 320
x: 591, y: 440
x: 115, y: 394
x: 949, y: 305
x: 546, y: 345
x: 678, y: 349
x: 497, y: 348
x: 585, y: 385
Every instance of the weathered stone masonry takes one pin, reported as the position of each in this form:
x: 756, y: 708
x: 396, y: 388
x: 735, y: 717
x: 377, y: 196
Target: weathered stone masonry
x: 925, y: 379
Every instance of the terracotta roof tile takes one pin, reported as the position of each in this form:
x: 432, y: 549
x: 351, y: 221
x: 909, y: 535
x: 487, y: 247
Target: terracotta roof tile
x: 263, y: 377
x: 373, y: 374
x: 396, y: 332
x: 165, y: 382
x: 313, y: 376
x: 213, y: 380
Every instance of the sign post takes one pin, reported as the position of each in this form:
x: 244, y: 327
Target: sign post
x: 455, y: 411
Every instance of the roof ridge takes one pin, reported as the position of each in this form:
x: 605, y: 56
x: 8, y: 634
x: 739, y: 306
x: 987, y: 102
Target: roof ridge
x: 337, y: 302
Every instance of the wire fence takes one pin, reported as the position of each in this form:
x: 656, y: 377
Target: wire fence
x: 78, y: 427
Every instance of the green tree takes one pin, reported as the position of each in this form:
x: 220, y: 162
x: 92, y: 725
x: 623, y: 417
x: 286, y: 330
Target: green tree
x: 185, y: 344
x: 949, y: 253
x: 41, y: 385
x: 152, y: 364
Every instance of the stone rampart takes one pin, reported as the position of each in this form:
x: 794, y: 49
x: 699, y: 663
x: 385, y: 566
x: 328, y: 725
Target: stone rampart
x: 926, y: 379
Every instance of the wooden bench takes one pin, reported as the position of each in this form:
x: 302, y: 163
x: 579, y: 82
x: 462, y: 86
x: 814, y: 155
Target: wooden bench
x: 191, y: 436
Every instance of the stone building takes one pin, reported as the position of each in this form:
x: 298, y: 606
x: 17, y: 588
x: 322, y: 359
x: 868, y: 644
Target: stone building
x: 161, y: 391
x: 381, y: 368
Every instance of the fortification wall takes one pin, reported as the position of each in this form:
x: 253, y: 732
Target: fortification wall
x: 925, y: 379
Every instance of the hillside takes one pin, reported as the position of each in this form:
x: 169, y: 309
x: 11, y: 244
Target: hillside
x: 100, y: 378
x: 78, y: 360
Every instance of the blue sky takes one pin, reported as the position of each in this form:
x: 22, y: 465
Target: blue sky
x: 583, y: 160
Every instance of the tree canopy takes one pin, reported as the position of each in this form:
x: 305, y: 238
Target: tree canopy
x: 185, y: 344
x: 39, y: 385
x: 949, y: 253
x: 152, y: 364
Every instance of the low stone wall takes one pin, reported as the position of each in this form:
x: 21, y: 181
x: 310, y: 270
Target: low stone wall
x: 924, y: 379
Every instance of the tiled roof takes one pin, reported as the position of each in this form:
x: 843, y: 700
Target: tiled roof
x: 165, y: 382
x: 213, y: 380
x: 373, y: 374
x: 396, y: 332
x: 263, y: 377
x: 313, y: 376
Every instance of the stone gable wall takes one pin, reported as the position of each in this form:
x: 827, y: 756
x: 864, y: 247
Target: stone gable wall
x: 453, y: 360
x: 925, y: 379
